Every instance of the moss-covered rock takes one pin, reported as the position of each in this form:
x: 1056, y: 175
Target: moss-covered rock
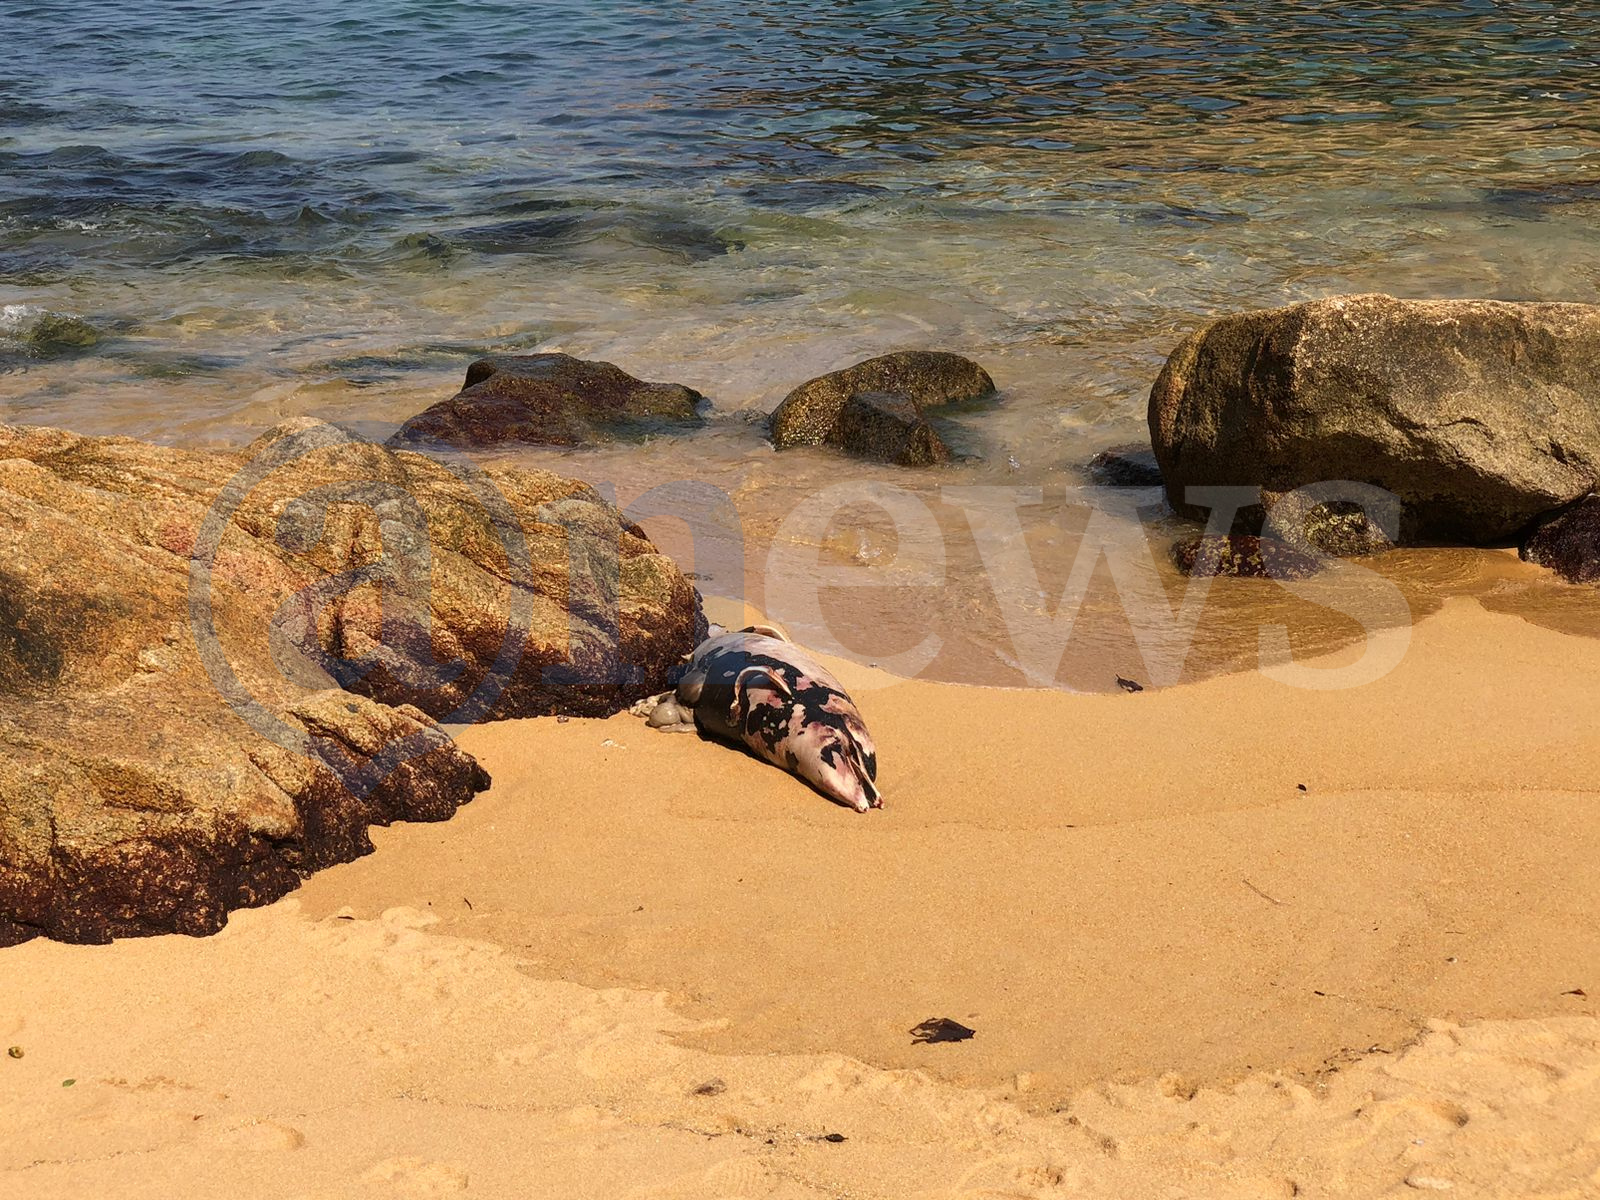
x: 1242, y: 556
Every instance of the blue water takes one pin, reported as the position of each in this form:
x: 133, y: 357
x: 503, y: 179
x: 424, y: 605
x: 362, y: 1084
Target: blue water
x: 378, y: 109
x: 303, y: 199
x: 216, y: 216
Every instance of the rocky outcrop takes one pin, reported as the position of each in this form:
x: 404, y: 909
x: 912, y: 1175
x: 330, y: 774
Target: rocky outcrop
x: 1568, y: 542
x: 1478, y: 415
x: 217, y: 670
x: 1242, y: 556
x: 550, y: 400
x: 152, y: 808
x: 859, y: 408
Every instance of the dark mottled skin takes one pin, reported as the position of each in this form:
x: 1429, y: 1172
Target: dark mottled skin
x: 768, y: 695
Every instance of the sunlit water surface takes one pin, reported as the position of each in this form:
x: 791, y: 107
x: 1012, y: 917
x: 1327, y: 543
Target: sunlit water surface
x: 266, y: 209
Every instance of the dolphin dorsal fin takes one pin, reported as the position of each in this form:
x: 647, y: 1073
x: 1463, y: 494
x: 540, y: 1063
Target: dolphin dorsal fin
x: 771, y: 631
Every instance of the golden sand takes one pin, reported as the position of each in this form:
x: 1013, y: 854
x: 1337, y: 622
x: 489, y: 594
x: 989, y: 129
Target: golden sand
x: 643, y: 965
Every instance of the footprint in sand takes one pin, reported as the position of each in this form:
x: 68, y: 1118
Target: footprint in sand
x: 417, y: 1177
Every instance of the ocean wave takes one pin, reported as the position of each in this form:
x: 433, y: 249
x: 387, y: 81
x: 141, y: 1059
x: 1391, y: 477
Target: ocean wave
x: 14, y: 317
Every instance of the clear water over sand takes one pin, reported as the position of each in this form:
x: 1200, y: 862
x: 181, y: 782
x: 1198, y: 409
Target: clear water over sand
x: 269, y: 209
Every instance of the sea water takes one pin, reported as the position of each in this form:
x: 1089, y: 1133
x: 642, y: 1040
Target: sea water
x: 216, y: 216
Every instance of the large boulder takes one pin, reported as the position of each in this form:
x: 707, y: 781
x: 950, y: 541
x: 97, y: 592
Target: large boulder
x: 550, y: 400
x: 1478, y: 415
x: 217, y: 670
x: 1568, y: 542
x: 859, y: 408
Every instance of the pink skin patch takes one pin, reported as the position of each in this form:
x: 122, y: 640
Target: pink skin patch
x: 831, y: 759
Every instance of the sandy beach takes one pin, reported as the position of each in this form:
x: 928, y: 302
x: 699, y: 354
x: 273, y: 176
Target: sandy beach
x: 647, y: 965
x: 1057, y: 373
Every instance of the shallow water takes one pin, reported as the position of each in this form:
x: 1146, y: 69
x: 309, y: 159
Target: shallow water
x: 266, y: 209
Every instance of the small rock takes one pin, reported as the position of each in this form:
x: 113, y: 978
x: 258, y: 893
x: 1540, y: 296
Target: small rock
x: 15, y: 1052
x: 887, y: 428
x: 711, y: 1087
x: 1129, y: 685
x: 550, y: 400
x: 57, y: 334
x: 1428, y: 1183
x: 926, y: 379
x: 1568, y: 542
x: 1125, y: 466
x: 1337, y: 527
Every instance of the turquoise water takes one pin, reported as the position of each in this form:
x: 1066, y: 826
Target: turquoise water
x: 255, y: 210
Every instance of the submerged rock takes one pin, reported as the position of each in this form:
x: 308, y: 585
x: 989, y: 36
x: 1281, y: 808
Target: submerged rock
x: 887, y: 428
x: 1125, y: 466
x: 1568, y: 542
x: 174, y: 742
x: 1478, y: 415
x: 1242, y: 556
x: 567, y: 230
x: 56, y: 334
x: 925, y: 379
x: 550, y: 400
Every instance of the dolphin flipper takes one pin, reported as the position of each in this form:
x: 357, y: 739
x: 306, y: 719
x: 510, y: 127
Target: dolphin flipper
x: 690, y: 686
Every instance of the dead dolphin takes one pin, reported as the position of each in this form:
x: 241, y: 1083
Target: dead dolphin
x: 755, y: 688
